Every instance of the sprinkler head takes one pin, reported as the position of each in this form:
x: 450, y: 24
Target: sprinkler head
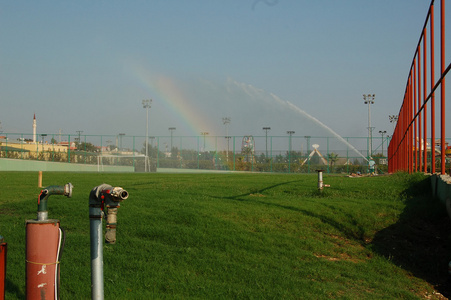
x: 119, y: 194
x: 68, y: 190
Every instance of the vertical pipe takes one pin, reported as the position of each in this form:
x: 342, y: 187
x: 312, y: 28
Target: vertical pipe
x: 442, y: 88
x: 3, y: 250
x: 432, y: 85
x: 95, y: 223
x: 97, y: 289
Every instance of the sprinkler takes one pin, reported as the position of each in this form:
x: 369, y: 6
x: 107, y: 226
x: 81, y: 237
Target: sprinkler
x: 65, y: 190
x: 102, y: 197
x: 44, y: 246
x: 321, y: 185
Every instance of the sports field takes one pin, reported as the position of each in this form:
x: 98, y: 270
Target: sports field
x: 242, y: 236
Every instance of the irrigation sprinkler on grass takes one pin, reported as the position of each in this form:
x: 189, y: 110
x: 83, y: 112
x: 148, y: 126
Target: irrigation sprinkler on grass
x: 321, y: 185
x: 101, y: 197
x: 44, y: 246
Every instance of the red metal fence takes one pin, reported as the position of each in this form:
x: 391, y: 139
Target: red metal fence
x: 409, y: 149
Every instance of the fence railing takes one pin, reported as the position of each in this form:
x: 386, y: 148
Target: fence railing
x: 409, y: 149
x: 290, y: 154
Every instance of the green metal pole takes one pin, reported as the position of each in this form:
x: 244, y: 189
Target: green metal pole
x: 289, y: 153
x: 158, y: 152
x: 271, y: 154
x: 234, y: 158
x: 198, y: 152
x: 53, y: 147
x: 6, y: 147
x: 68, y: 148
x: 347, y: 156
x: 133, y: 162
x: 84, y: 154
x: 328, y: 163
x: 308, y: 157
x: 21, y: 145
x: 37, y: 149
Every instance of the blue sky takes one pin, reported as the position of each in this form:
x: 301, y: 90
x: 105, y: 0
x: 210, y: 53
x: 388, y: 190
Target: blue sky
x: 87, y: 65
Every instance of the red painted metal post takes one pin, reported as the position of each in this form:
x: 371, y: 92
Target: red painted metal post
x: 433, y: 94
x: 420, y: 153
x: 415, y: 111
x: 400, y: 144
x: 406, y: 134
x: 425, y: 115
x: 410, y: 140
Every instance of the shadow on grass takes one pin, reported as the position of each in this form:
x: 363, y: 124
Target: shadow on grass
x: 420, y: 241
x: 12, y: 288
x: 351, y: 233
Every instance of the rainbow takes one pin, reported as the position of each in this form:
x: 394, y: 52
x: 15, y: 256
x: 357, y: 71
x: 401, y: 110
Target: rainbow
x: 166, y: 91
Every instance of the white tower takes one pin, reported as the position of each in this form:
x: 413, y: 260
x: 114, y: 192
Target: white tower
x: 34, y: 129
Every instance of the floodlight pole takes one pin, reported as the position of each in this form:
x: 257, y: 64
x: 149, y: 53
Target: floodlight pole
x: 121, y: 135
x: 171, y: 129
x: 204, y: 133
x: 146, y: 105
x: 307, y: 137
x: 369, y: 99
x: 382, y: 133
x: 290, y: 133
x: 393, y: 119
x: 266, y: 134
x: 226, y: 122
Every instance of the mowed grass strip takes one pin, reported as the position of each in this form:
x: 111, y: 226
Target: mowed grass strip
x: 219, y: 236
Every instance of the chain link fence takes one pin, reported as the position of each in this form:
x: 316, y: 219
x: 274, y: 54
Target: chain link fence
x: 288, y: 154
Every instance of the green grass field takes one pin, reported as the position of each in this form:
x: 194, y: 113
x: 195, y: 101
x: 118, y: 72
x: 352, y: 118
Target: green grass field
x: 244, y: 236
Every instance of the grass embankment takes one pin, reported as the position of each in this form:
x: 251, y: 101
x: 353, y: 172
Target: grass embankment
x: 260, y: 236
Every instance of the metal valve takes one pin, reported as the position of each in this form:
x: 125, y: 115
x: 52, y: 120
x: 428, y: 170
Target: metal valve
x: 119, y: 194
